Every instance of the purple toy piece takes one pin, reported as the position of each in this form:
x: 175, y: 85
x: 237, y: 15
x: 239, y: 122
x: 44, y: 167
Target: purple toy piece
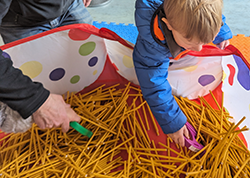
x: 191, y: 143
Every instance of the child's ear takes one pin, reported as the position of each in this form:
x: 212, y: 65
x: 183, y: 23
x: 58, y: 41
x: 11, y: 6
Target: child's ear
x: 167, y: 23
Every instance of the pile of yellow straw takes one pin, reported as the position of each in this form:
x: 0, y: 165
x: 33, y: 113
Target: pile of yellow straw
x: 121, y: 147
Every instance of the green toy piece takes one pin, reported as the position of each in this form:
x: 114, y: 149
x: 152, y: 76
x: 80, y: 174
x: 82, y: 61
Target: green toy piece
x: 82, y: 130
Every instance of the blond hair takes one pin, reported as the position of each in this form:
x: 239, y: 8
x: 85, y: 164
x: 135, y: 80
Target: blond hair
x: 199, y: 19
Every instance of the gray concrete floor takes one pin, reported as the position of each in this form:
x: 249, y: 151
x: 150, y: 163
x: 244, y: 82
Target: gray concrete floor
x: 122, y: 11
x: 238, y: 16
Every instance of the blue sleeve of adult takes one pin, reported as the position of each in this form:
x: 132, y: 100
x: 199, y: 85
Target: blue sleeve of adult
x: 152, y: 71
x: 224, y: 34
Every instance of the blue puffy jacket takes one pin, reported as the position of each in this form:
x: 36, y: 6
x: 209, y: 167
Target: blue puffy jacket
x: 151, y: 60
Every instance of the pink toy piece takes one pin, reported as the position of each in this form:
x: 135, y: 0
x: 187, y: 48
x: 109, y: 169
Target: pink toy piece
x: 191, y: 143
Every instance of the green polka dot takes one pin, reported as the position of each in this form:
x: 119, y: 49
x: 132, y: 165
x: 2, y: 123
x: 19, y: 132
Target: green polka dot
x: 87, y: 48
x: 75, y: 79
x: 32, y: 68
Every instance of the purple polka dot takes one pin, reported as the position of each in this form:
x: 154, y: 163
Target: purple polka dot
x: 243, y: 73
x: 206, y: 79
x: 57, y: 74
x: 93, y: 61
x: 6, y: 55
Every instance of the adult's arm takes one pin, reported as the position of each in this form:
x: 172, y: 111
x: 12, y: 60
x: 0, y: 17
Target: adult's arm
x: 4, y: 8
x: 32, y: 99
x: 18, y: 91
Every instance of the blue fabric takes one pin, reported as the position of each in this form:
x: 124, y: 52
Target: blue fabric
x: 76, y: 13
x: 224, y: 34
x: 151, y: 62
x: 128, y: 32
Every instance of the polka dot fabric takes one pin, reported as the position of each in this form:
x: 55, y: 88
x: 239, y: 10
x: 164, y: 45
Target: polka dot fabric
x: 70, y: 59
x: 195, y: 76
x: 236, y: 88
x: 63, y: 61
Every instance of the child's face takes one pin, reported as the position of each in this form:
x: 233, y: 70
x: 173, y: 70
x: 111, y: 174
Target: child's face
x: 193, y: 44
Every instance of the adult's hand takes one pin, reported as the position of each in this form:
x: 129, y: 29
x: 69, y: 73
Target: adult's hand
x: 178, y: 137
x: 86, y: 2
x: 55, y: 113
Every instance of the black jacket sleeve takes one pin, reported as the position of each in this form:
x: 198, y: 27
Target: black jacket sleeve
x: 32, y: 12
x: 18, y: 91
x: 4, y: 8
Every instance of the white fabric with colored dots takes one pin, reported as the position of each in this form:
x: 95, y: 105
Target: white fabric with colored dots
x: 72, y: 59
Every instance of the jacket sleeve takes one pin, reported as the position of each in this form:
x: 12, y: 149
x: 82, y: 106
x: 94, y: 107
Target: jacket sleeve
x: 224, y: 34
x: 17, y: 90
x: 152, y: 71
x: 151, y: 65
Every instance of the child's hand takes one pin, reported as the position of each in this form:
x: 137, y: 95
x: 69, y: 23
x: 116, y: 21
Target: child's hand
x: 223, y: 44
x: 178, y: 137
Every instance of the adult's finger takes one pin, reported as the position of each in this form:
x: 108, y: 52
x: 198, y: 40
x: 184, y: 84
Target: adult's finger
x: 71, y: 116
x: 49, y: 126
x: 65, y: 127
x: 39, y: 120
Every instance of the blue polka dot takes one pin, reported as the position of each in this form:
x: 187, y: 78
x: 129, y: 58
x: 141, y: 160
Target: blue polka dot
x: 206, y: 79
x: 57, y: 74
x: 93, y: 61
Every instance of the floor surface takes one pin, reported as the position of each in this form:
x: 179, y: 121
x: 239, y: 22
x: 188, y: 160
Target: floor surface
x: 122, y: 11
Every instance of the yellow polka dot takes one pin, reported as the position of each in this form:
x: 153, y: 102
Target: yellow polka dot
x: 224, y: 75
x: 127, y: 62
x: 187, y: 69
x: 190, y: 69
x: 95, y: 72
x: 32, y: 68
